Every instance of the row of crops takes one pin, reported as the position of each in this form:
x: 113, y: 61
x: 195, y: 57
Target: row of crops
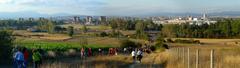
x: 58, y: 46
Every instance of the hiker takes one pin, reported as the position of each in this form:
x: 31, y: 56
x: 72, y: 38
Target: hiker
x: 36, y: 57
x: 26, y: 56
x: 115, y: 51
x: 110, y: 51
x: 125, y: 50
x: 100, y: 51
x: 19, y: 59
x: 89, y: 52
x: 14, y: 50
x: 134, y: 55
x: 139, y: 55
x: 82, y: 53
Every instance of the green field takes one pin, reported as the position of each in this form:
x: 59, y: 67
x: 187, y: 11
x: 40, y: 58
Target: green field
x: 94, y: 42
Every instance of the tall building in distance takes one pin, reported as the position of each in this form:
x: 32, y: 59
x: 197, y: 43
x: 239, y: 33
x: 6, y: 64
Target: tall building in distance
x: 88, y: 20
x: 102, y: 19
x: 21, y: 19
x: 31, y: 19
x: 76, y: 19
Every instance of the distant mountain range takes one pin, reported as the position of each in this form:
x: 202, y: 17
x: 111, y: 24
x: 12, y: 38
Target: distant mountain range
x: 35, y: 14
x: 28, y: 14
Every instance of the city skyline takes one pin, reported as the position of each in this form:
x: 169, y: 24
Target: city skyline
x: 114, y: 7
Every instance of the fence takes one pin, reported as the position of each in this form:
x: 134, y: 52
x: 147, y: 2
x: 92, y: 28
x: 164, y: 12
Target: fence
x: 204, y: 58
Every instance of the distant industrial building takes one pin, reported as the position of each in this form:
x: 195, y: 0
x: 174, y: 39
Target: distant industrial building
x: 181, y: 20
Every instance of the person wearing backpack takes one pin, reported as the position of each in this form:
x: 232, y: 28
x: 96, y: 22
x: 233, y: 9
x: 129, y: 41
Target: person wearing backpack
x: 134, y: 52
x: 26, y: 56
x: 139, y: 55
x: 36, y: 56
x: 19, y: 58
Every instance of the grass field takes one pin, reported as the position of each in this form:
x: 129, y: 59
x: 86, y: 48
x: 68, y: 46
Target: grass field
x: 226, y: 53
x: 78, y: 26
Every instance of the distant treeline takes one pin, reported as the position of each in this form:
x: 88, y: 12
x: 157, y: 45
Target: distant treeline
x: 24, y: 24
x: 224, y: 28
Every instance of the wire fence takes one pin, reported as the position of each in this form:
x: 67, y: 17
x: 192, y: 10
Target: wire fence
x: 204, y: 58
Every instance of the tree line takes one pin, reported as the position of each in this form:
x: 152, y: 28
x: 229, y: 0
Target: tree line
x: 224, y: 28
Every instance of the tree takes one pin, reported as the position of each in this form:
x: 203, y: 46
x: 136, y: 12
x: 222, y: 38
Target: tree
x: 50, y: 27
x: 70, y: 31
x: 59, y: 29
x: 169, y: 31
x: 140, y: 33
x: 6, y: 40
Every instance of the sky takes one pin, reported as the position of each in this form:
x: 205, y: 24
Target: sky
x: 117, y: 7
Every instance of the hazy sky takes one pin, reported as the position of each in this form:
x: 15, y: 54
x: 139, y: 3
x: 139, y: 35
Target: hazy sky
x: 117, y: 7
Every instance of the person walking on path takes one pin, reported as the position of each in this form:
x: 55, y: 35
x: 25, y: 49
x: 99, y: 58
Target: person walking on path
x: 19, y: 59
x: 82, y: 53
x: 100, y: 51
x: 26, y: 56
x: 111, y: 53
x: 89, y: 52
x: 134, y: 54
x: 125, y: 50
x: 36, y: 57
x: 115, y: 51
x: 139, y: 55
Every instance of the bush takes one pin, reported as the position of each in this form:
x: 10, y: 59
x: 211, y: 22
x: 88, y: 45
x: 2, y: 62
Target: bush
x: 153, y: 48
x: 6, y: 40
x: 103, y: 34
x: 186, y: 41
x: 129, y: 43
x: 169, y: 40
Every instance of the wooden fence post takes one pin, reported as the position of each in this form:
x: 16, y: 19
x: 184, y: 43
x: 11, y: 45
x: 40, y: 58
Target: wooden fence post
x: 183, y: 51
x: 188, y: 57
x: 197, y: 60
x: 211, y: 59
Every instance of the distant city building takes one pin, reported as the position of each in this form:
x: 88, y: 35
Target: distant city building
x: 21, y: 19
x: 41, y: 18
x: 181, y: 20
x: 88, y: 20
x: 31, y: 19
x: 76, y: 19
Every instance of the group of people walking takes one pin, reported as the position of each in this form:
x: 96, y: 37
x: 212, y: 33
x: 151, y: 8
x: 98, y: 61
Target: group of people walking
x: 21, y: 57
x: 86, y: 52
x: 137, y: 54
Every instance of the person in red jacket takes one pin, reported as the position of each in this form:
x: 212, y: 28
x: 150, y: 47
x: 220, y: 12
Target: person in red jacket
x: 26, y: 57
x: 89, y: 52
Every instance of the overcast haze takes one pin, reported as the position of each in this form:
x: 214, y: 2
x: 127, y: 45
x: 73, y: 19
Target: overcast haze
x: 116, y: 7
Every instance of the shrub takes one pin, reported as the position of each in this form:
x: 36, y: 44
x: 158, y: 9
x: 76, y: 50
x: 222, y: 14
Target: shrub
x: 186, y: 41
x: 103, y: 34
x: 153, y: 48
x: 169, y: 40
x: 129, y: 43
x: 6, y: 40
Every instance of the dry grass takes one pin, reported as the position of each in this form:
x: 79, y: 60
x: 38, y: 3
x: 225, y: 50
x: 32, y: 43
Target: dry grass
x: 218, y: 42
x: 55, y: 37
x: 223, y: 58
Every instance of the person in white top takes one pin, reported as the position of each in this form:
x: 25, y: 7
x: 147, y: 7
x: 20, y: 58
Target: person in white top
x: 134, y: 52
x: 139, y: 55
